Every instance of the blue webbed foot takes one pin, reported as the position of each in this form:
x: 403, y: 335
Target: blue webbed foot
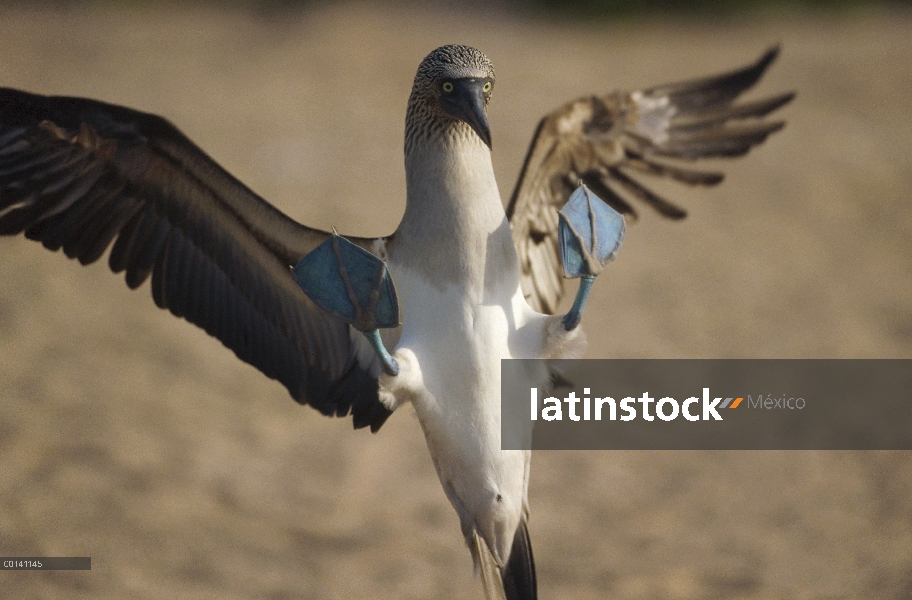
x: 589, y: 236
x: 353, y: 285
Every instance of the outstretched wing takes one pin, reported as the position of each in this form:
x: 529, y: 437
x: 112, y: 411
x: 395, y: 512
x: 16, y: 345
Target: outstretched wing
x: 80, y: 174
x: 607, y: 141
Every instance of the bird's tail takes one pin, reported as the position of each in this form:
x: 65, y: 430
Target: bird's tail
x: 516, y: 580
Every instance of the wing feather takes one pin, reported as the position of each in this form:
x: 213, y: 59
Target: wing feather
x: 84, y: 176
x: 688, y: 176
x: 637, y: 190
x: 607, y: 141
x: 717, y: 89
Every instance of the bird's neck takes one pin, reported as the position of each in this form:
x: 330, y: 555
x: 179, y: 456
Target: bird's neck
x: 453, y: 215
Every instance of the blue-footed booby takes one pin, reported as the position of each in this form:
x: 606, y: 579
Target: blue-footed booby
x: 476, y: 283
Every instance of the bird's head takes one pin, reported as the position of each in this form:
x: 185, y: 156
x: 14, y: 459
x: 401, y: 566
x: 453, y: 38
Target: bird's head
x: 453, y: 85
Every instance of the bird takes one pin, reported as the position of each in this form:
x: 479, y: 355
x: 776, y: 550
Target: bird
x: 477, y: 280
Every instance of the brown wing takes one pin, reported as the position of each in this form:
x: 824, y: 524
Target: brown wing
x: 79, y: 174
x: 609, y: 141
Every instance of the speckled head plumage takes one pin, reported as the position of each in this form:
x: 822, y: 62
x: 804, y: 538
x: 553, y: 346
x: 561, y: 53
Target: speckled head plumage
x: 454, y: 61
x: 452, y: 87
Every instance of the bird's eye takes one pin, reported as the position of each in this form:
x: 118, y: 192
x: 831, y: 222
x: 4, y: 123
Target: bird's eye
x: 487, y: 87
x: 447, y: 87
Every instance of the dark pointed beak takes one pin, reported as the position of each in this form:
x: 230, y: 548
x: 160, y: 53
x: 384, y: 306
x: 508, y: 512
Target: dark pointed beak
x: 466, y: 103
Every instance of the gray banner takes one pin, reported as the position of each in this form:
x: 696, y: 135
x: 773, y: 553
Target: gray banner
x: 778, y: 404
x: 46, y: 563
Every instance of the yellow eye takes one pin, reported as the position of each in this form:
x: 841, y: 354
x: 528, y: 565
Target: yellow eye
x: 487, y: 87
x: 447, y: 87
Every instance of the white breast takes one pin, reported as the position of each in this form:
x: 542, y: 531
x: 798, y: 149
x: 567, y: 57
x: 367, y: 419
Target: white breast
x: 457, y: 278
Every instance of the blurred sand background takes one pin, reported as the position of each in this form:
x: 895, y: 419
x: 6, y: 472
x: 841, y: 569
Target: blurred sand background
x: 132, y: 437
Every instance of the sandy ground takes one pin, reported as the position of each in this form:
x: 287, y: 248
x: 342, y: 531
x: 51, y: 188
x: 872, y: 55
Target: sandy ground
x: 131, y: 437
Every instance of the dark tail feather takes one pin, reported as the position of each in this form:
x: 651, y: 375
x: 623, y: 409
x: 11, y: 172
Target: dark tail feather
x: 519, y: 575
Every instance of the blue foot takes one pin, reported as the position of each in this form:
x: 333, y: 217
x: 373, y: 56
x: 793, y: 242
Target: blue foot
x: 353, y: 285
x: 589, y: 236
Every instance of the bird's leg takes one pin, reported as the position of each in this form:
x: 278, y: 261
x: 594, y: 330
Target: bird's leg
x: 353, y: 285
x: 572, y: 319
x: 390, y: 366
x: 589, y: 236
